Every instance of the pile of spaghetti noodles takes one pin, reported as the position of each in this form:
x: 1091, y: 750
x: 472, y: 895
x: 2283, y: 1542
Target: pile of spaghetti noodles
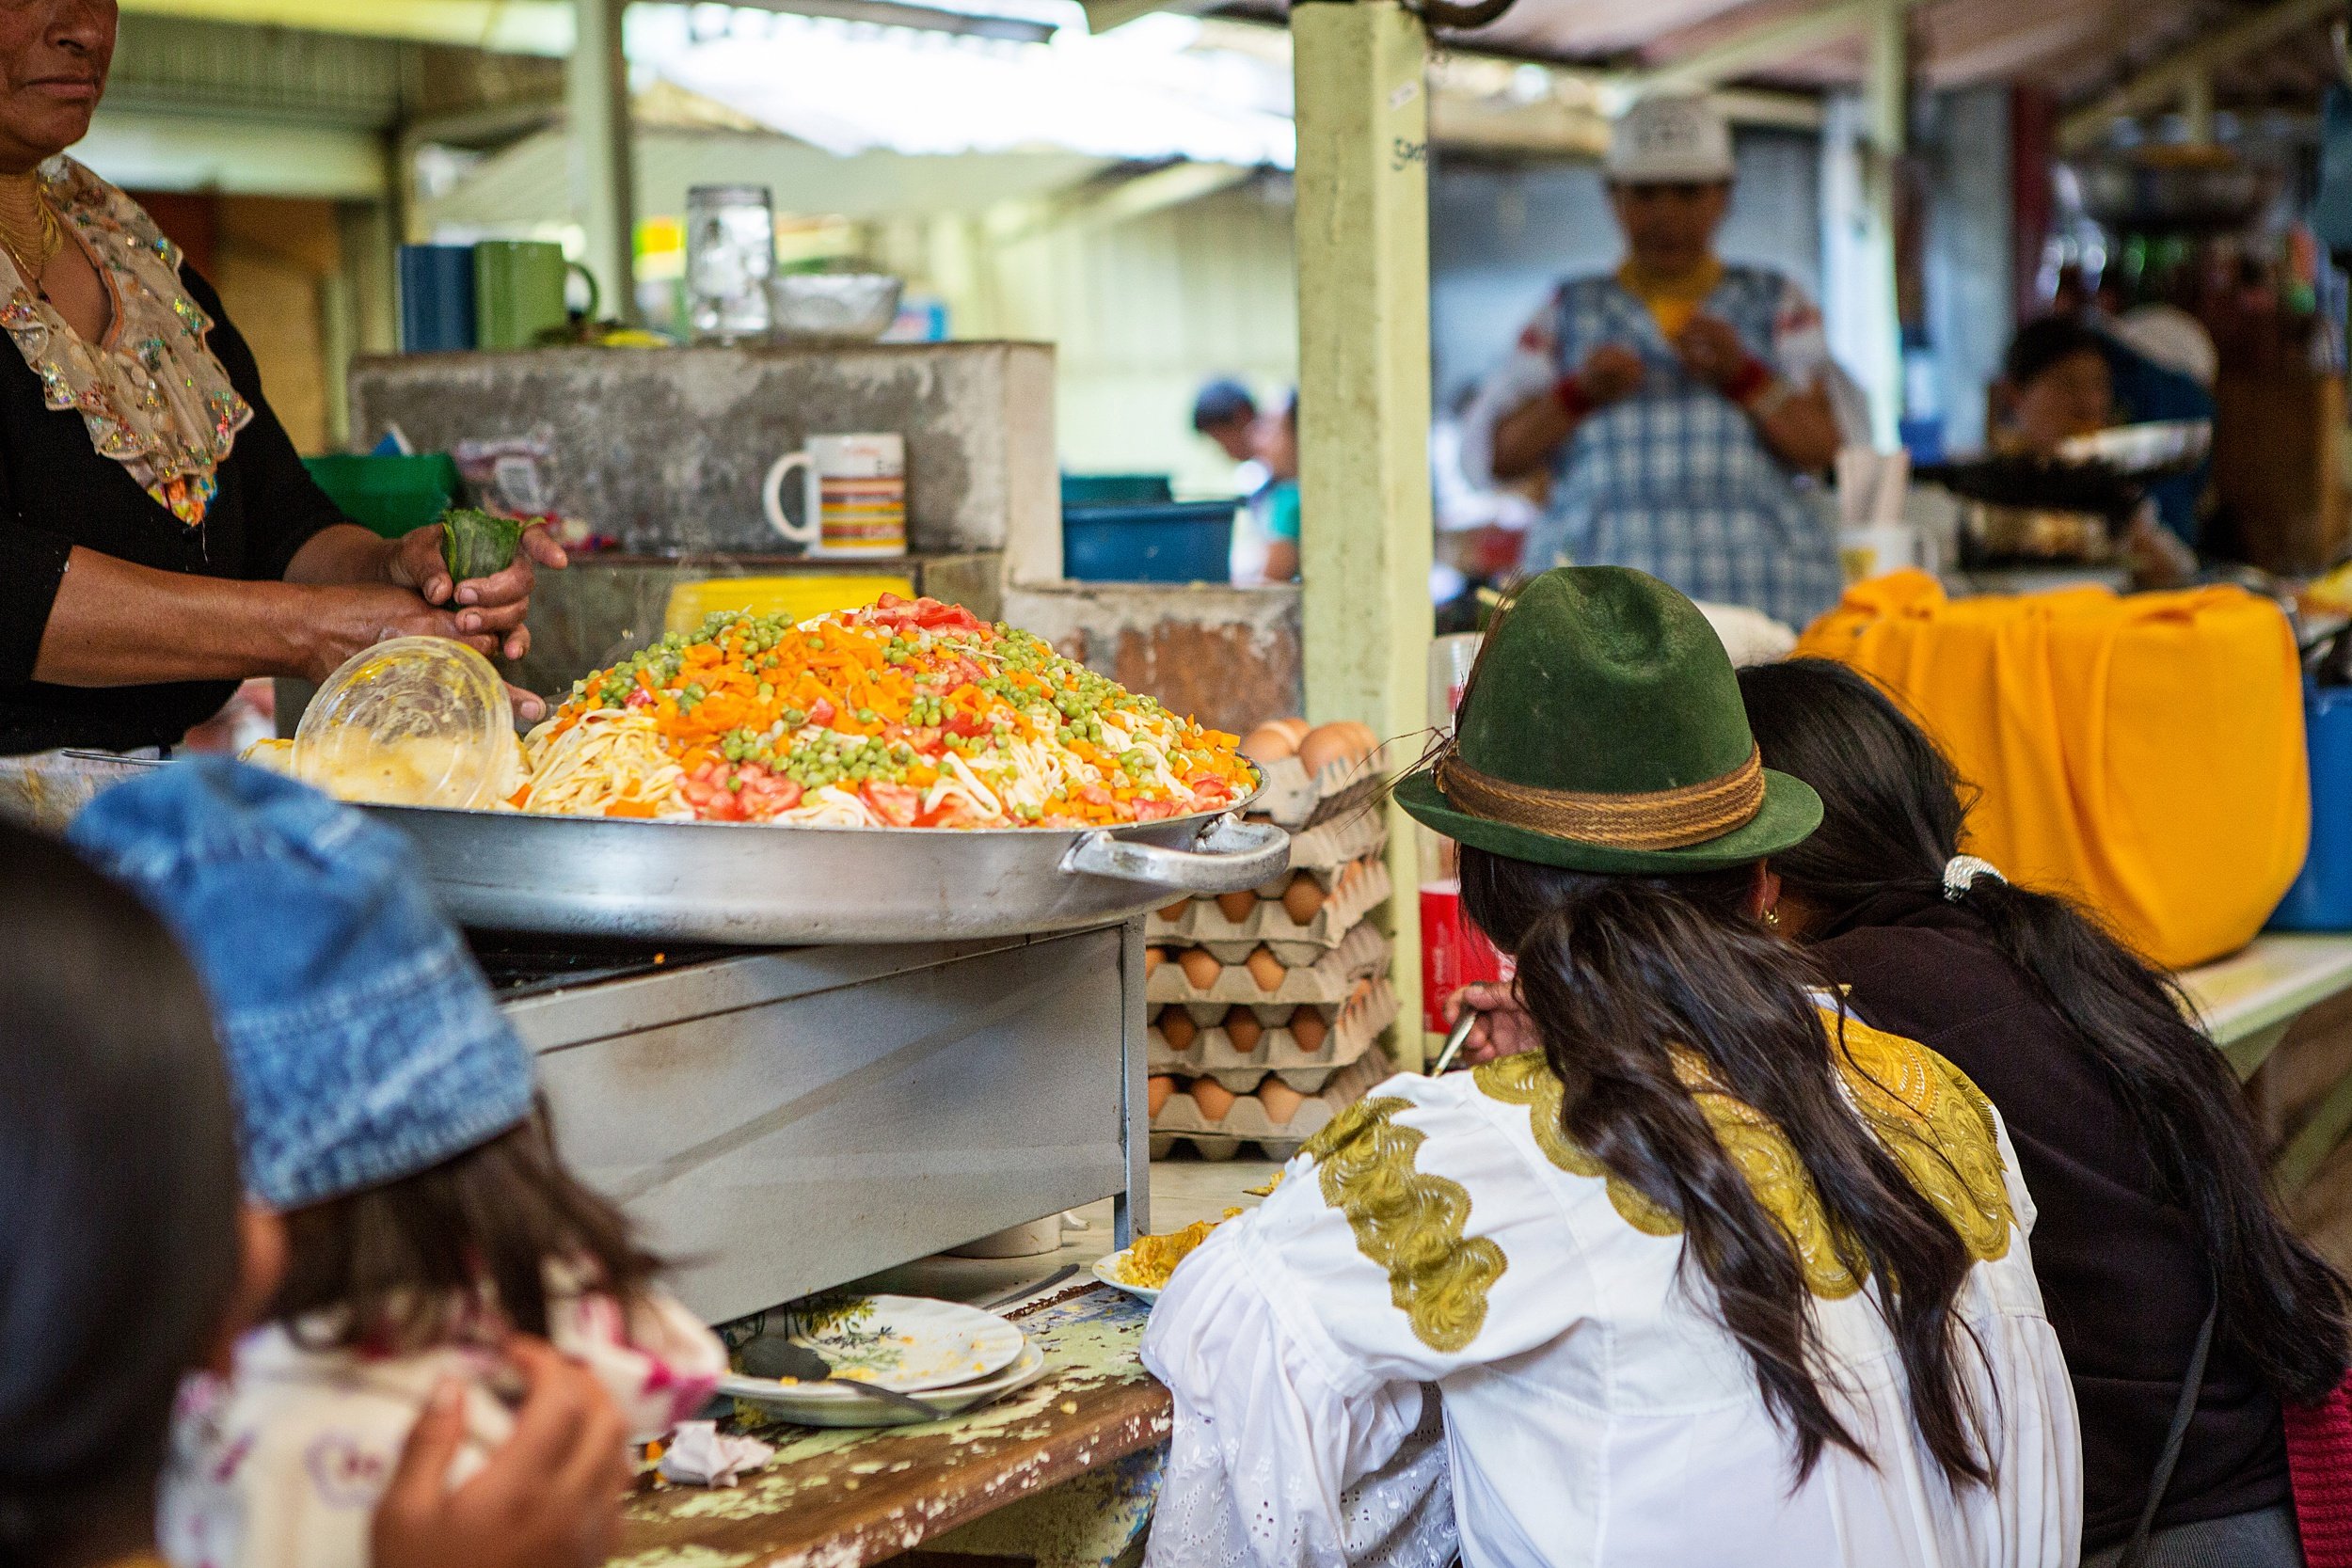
x: 905, y: 714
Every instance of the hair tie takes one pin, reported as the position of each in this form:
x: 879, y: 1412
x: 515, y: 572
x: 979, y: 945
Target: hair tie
x: 1961, y: 873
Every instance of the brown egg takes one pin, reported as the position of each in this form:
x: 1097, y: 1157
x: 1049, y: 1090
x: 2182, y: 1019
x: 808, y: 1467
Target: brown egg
x: 1308, y: 1029
x: 1157, y: 1090
x: 1281, y: 1100
x: 1243, y: 1028
x: 1177, y: 1028
x: 1237, y: 907
x: 1266, y: 968
x: 1152, y: 958
x: 1296, y: 728
x: 1212, y: 1098
x: 1269, y: 744
x: 1176, y: 910
x: 1200, y: 968
x: 1366, y: 738
x: 1323, y: 747
x: 1303, y: 898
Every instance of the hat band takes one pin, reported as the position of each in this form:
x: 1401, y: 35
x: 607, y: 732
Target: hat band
x: 1650, y: 820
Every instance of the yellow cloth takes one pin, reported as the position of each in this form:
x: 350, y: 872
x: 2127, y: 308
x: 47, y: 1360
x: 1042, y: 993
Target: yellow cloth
x: 2143, y: 754
x: 1673, y: 302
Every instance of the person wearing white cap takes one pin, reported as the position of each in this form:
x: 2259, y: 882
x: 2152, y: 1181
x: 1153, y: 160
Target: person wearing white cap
x: 1676, y: 402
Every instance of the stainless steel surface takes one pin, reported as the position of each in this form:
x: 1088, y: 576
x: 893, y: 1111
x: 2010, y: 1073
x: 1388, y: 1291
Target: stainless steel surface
x: 2143, y: 449
x: 1230, y: 856
x: 766, y: 886
x: 782, y: 1122
x: 833, y: 307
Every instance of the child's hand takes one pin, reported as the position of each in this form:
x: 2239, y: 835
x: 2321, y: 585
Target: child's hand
x: 550, y: 1498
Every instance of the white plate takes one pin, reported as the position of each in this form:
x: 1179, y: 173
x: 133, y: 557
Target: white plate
x: 1110, y: 1268
x: 838, y: 1405
x: 912, y: 1343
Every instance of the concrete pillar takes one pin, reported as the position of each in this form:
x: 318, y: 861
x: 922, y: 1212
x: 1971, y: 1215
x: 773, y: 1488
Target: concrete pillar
x: 596, y: 104
x: 1362, y: 114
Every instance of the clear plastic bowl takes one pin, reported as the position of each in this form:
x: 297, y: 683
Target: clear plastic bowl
x: 412, y: 722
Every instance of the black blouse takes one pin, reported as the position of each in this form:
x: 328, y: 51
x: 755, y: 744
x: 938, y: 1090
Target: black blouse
x: 57, y: 492
x: 2122, y: 1277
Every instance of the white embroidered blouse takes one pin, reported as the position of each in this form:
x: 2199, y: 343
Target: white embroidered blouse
x: 1444, y: 1238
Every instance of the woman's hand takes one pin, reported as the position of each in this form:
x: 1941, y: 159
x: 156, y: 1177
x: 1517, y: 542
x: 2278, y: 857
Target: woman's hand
x: 339, y: 619
x: 494, y: 605
x: 1711, y: 349
x: 1611, y: 374
x: 1503, y: 1028
x: 550, y: 1498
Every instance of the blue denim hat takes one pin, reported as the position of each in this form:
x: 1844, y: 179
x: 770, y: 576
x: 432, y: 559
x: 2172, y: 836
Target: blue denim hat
x: 362, y: 1041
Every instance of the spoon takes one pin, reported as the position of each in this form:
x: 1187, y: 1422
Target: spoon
x: 769, y: 1357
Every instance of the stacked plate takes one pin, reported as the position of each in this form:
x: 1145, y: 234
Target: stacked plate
x: 947, y: 1356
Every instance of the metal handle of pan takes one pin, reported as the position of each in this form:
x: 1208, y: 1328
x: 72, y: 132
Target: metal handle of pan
x: 1230, y: 856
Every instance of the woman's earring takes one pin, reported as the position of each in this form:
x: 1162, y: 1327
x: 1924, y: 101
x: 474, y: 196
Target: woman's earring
x: 1772, y: 918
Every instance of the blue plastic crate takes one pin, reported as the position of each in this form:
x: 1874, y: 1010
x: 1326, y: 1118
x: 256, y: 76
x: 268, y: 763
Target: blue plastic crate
x: 2321, y: 898
x: 1098, y: 490
x: 1179, y: 542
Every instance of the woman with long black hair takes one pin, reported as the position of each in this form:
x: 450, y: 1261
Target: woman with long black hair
x: 1715, y: 1276
x: 2156, y: 1218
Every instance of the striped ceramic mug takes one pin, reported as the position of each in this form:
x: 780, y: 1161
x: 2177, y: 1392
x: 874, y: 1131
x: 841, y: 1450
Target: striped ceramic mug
x: 853, y: 493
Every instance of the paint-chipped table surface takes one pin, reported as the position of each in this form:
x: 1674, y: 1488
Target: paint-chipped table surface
x: 842, y: 1499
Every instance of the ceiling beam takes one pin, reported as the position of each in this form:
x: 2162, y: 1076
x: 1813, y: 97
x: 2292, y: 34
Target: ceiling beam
x: 2176, y: 78
x: 516, y: 26
x: 1766, y: 45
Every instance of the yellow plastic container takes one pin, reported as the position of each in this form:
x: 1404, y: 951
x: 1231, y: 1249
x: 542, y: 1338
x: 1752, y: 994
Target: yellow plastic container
x: 2143, y: 753
x: 800, y: 597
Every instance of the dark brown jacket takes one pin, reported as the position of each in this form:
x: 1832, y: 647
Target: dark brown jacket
x: 2122, y: 1276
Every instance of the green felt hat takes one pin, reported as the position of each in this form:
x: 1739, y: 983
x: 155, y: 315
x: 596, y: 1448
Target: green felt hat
x: 1603, y: 730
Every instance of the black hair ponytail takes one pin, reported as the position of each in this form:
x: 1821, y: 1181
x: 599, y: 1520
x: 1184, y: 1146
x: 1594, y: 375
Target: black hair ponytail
x: 1618, y: 973
x: 1894, y: 817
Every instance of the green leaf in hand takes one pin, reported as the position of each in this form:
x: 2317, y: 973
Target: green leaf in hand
x: 475, y: 543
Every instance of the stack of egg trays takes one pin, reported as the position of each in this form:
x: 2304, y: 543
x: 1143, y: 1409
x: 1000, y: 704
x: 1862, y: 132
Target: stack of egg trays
x: 1180, y: 1119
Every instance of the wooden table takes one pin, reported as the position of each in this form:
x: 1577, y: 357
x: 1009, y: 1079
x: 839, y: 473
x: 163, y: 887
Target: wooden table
x: 2249, y: 1000
x: 843, y: 1498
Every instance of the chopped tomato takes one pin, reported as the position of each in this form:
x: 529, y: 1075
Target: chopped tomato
x: 895, y: 804
x: 969, y: 725
x: 822, y: 712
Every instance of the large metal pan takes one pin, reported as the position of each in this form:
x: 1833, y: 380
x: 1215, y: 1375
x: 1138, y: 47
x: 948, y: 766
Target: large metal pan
x: 761, y: 885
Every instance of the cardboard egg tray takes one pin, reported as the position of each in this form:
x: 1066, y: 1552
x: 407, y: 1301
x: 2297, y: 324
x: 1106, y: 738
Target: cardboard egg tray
x: 1361, y: 953
x: 1204, y: 923
x: 1180, y: 1118
x: 1295, y: 800
x: 1212, y: 1054
x: 1324, y: 852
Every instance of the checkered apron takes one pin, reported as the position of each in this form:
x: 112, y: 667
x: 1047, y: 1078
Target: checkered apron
x: 1673, y: 480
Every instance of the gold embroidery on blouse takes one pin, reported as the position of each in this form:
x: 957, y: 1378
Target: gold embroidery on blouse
x: 1938, y: 1126
x: 151, y: 394
x: 1408, y: 1221
x: 1925, y: 1112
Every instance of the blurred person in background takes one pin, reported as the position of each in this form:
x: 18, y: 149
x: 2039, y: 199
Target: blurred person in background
x: 1275, y: 517
x: 1678, y: 401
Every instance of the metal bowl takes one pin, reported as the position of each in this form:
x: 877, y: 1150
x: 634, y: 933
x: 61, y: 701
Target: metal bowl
x: 833, y: 307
